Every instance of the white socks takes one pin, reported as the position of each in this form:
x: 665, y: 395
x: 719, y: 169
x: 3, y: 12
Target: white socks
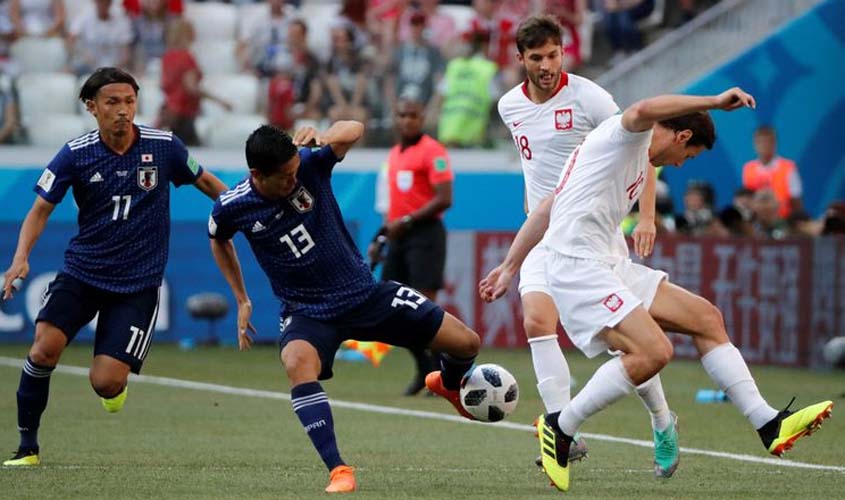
x: 651, y: 394
x: 726, y: 367
x: 552, y: 372
x: 609, y: 384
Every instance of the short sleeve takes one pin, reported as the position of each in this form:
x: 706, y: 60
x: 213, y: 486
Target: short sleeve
x: 57, y: 177
x: 619, y: 135
x: 184, y: 169
x: 321, y: 159
x: 219, y: 226
x: 600, y: 104
x: 439, y: 166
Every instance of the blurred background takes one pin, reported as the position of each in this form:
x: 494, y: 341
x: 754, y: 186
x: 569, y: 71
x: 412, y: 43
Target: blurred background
x: 763, y: 249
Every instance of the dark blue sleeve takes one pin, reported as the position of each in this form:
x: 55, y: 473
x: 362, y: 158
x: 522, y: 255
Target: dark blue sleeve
x: 219, y: 225
x: 321, y: 160
x: 184, y: 169
x: 57, y: 177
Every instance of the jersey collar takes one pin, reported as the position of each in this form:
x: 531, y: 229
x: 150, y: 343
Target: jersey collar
x: 564, y: 81
x: 135, y: 140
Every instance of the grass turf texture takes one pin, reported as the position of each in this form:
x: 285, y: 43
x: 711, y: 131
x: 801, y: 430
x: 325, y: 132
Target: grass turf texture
x: 180, y: 443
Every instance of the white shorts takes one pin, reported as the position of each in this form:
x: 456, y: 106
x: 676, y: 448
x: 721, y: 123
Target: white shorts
x: 591, y: 295
x: 532, y: 274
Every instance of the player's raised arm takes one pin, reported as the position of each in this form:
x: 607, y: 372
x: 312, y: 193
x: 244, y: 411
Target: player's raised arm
x: 499, y: 279
x: 341, y: 136
x: 642, y: 115
x: 31, y: 229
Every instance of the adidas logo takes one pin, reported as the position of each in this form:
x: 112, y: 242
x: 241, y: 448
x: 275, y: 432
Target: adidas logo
x: 96, y: 177
x: 258, y: 227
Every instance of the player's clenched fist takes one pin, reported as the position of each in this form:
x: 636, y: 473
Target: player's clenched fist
x: 735, y: 98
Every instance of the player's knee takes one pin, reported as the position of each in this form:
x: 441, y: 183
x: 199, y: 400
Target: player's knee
x: 660, y: 353
x: 106, y: 386
x: 536, y: 326
x: 713, y: 323
x: 299, y: 364
x: 43, y: 355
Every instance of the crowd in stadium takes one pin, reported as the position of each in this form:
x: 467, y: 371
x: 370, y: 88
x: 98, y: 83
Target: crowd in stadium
x: 311, y: 62
x: 304, y: 60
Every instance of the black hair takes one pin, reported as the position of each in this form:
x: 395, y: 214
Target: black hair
x: 102, y: 77
x: 699, y: 123
x: 535, y: 31
x: 268, y: 148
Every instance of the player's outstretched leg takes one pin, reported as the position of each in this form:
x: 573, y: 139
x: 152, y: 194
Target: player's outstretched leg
x: 311, y: 405
x: 34, y: 389
x: 458, y: 346
x: 550, y: 366
x: 664, y: 425
x: 684, y: 312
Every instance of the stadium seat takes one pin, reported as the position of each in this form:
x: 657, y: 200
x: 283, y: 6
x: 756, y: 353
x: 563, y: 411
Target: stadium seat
x: 320, y: 18
x: 57, y: 129
x: 150, y: 96
x: 462, y: 14
x: 45, y: 94
x: 212, y: 20
x: 41, y: 55
x: 231, y: 131
x: 240, y: 90
x: 216, y: 56
x: 248, y: 13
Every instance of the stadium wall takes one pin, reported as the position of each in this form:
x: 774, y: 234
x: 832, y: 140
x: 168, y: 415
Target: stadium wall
x: 796, y: 75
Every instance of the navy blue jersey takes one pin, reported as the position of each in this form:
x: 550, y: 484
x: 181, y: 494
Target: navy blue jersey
x: 300, y: 241
x: 124, y: 206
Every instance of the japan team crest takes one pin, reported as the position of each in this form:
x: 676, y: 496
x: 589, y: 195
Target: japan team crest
x: 147, y: 178
x: 302, y: 201
x: 563, y: 119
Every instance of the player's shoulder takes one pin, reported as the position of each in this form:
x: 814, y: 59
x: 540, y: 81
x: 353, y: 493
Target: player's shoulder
x: 84, y: 141
x: 431, y: 143
x: 154, y: 134
x: 512, y: 97
x: 242, y: 191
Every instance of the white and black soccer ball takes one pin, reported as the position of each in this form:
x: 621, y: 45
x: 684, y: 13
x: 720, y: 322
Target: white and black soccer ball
x: 489, y: 392
x: 834, y: 352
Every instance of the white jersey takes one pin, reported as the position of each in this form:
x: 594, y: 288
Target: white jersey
x: 545, y: 134
x: 602, y: 180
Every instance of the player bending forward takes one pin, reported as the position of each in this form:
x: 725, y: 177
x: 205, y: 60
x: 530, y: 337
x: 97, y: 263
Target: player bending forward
x: 597, y: 293
x: 289, y: 215
x: 549, y: 115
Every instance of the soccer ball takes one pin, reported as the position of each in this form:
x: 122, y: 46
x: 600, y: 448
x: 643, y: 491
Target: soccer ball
x: 489, y: 392
x: 834, y: 352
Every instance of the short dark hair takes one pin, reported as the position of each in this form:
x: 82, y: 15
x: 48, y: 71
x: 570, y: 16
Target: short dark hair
x: 102, y: 77
x: 536, y: 31
x: 765, y: 130
x: 268, y: 148
x: 699, y: 123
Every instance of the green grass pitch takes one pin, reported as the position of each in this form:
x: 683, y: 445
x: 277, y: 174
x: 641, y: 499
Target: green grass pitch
x: 171, y: 442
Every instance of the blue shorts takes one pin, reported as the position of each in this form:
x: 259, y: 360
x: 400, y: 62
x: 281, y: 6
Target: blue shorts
x: 125, y: 324
x: 394, y: 314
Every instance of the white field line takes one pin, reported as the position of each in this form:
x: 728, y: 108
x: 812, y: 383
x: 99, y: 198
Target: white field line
x: 388, y: 410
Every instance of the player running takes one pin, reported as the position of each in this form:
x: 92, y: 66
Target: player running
x: 600, y: 296
x: 120, y: 174
x: 288, y: 213
x: 549, y: 115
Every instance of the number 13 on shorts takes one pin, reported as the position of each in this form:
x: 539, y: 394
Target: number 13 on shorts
x: 406, y: 296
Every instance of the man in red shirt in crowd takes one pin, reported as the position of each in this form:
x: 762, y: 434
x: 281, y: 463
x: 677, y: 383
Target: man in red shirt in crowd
x: 420, y: 190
